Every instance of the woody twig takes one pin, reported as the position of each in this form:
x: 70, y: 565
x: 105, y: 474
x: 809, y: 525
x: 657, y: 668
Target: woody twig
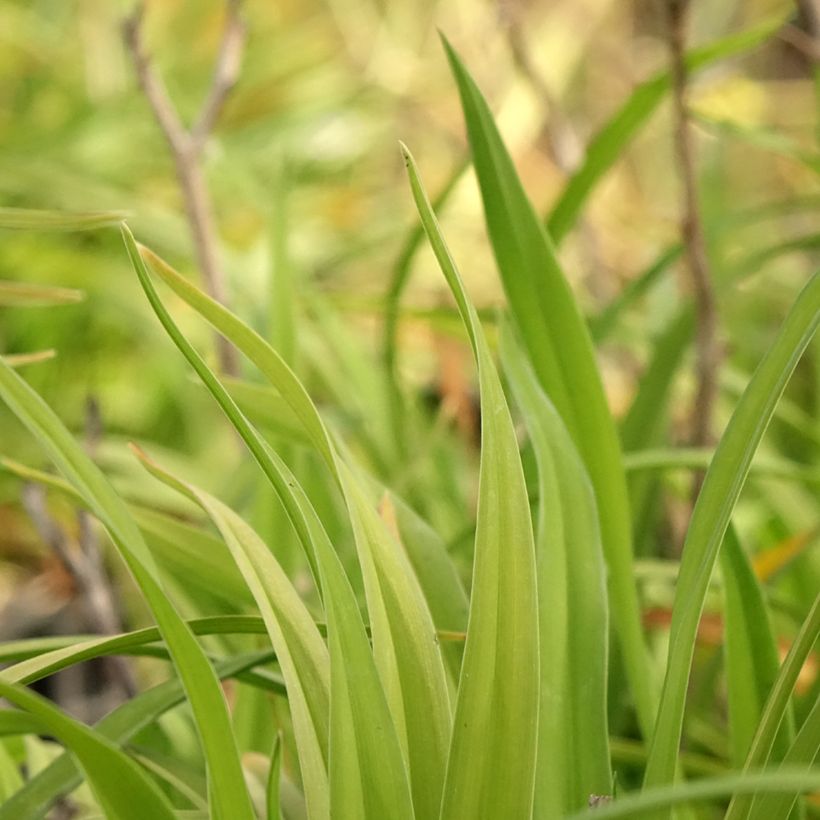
x: 186, y: 144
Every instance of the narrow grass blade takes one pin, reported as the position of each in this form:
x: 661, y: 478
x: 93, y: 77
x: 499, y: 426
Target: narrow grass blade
x: 710, y: 518
x: 24, y: 359
x: 10, y: 778
x: 602, y: 324
x: 400, y: 276
x: 15, y: 722
x: 647, y: 419
x: 61, y: 776
x: 405, y: 646
x: 300, y: 649
x: 777, y: 705
x: 435, y: 569
x: 274, y: 774
x: 40, y: 657
x: 608, y: 144
x: 404, y: 640
x: 20, y: 294
x: 172, y: 779
x: 25, y: 219
x: 265, y: 408
x: 573, y: 741
x: 804, y: 750
x: 368, y: 777
x: 695, y: 458
x: 276, y: 369
x: 644, y: 422
x: 651, y: 801
x: 561, y: 352
x: 491, y: 769
x: 181, y: 549
x: 207, y: 701
x: 121, y: 787
x: 750, y: 652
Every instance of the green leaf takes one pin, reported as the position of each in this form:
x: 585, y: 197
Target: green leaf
x: 491, y: 769
x: 649, y: 801
x: 122, y: 724
x: 573, y: 742
x: 695, y: 458
x: 647, y: 419
x: 123, y: 790
x: 274, y: 774
x: 23, y: 359
x: 609, y: 143
x: 777, y: 706
x: 405, y: 646
x: 561, y: 352
x: 10, y: 777
x: 435, y: 569
x: 368, y: 778
x: 404, y: 640
x: 25, y: 219
x: 710, y: 518
x: 302, y: 654
x: 228, y: 787
x: 181, y: 549
x: 804, y: 750
x: 275, y: 369
x: 750, y: 651
x: 265, y: 408
x: 39, y: 657
x: 400, y: 276
x: 20, y: 294
x: 602, y: 324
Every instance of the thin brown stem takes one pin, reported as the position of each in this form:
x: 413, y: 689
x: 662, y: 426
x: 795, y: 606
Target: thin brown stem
x: 187, y: 144
x: 707, y: 352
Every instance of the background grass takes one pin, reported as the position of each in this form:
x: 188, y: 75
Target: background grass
x: 385, y: 511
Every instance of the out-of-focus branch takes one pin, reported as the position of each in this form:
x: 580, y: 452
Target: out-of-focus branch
x: 187, y: 144
x: 83, y: 560
x: 707, y: 351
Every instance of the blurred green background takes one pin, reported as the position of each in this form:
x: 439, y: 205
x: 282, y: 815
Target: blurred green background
x: 305, y: 175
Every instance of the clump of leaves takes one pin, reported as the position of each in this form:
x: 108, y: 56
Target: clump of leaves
x: 388, y: 714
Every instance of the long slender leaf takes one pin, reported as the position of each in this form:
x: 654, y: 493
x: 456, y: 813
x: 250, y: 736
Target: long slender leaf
x: 10, y: 777
x: 228, y: 788
x: 650, y: 801
x: 647, y: 419
x: 750, y: 651
x: 18, y: 294
x: 121, y: 787
x: 368, y: 778
x: 694, y: 458
x: 181, y: 549
x: 25, y: 219
x: 710, y: 518
x: 602, y: 324
x: 805, y: 749
x: 274, y: 774
x: 39, y: 657
x: 777, y: 704
x: 302, y: 654
x: 573, y: 742
x: 61, y: 776
x: 561, y: 352
x: 491, y: 769
x: 404, y: 640
x: 609, y: 142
